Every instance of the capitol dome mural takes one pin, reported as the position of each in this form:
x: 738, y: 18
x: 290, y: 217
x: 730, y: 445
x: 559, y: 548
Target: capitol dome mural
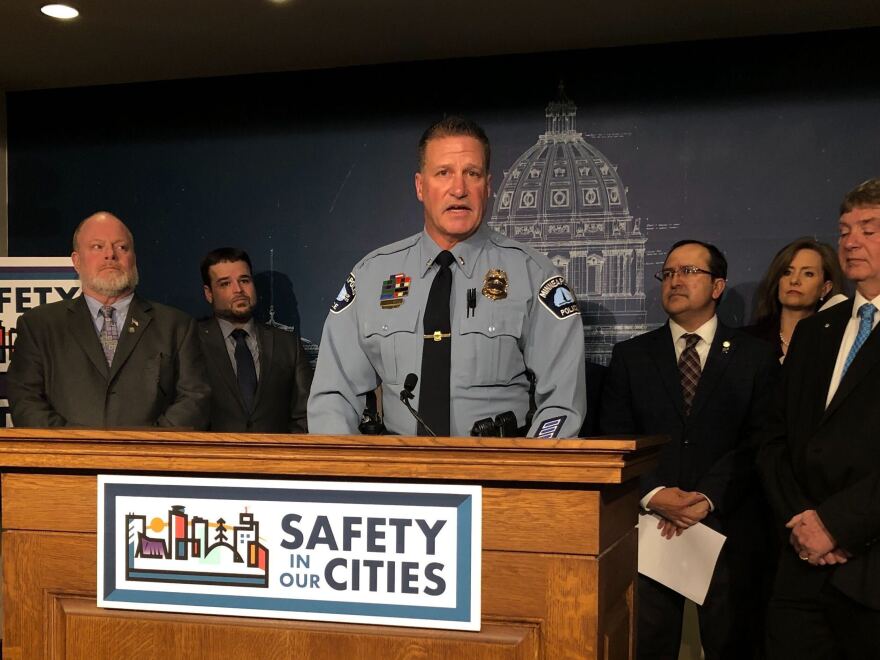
x: 566, y: 199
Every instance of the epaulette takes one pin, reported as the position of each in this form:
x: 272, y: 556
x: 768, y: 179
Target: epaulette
x: 391, y: 248
x: 505, y: 242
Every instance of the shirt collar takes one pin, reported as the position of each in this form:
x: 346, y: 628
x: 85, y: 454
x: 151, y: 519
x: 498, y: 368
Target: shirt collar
x: 121, y: 306
x: 466, y: 252
x: 859, y: 300
x: 705, y: 331
x: 226, y: 327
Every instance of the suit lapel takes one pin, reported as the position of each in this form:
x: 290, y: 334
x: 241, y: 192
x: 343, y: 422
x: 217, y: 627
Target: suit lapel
x: 866, y: 359
x: 722, y: 349
x: 663, y: 354
x: 82, y: 327
x: 140, y: 315
x: 266, y: 340
x: 217, y: 353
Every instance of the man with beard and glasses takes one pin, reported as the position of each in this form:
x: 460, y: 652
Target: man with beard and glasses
x: 259, y: 375
x: 108, y: 358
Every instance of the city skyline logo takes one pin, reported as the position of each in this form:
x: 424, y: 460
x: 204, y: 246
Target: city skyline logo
x: 181, y: 548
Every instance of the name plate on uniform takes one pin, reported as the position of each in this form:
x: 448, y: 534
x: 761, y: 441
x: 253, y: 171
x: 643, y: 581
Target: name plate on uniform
x: 391, y: 554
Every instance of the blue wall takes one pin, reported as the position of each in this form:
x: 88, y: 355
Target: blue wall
x: 746, y: 143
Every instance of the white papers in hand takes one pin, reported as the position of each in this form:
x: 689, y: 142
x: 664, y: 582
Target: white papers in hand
x: 683, y: 563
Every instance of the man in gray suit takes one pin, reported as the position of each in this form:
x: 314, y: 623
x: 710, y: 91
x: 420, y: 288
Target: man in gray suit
x: 260, y: 376
x: 108, y: 358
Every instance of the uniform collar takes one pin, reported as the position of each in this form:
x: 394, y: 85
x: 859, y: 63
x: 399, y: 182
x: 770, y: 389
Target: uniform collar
x: 465, y: 253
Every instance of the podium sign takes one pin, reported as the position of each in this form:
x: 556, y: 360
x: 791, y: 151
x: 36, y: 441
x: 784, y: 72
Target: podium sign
x: 392, y: 554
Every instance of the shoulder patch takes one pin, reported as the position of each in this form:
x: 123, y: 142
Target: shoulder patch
x: 345, y: 296
x: 550, y: 427
x: 555, y: 295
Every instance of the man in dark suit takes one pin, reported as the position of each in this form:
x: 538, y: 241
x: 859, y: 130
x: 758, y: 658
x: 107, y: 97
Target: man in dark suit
x: 260, y: 376
x: 820, y: 461
x: 706, y: 386
x: 108, y: 358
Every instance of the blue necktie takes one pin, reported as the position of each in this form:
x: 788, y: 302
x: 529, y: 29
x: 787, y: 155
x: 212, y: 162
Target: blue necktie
x: 866, y: 324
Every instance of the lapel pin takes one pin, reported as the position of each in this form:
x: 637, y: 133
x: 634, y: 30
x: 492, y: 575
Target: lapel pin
x: 725, y: 347
x: 827, y: 325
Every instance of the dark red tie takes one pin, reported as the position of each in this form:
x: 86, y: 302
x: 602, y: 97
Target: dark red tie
x: 689, y: 367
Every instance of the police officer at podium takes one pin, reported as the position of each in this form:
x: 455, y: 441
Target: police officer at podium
x: 468, y: 324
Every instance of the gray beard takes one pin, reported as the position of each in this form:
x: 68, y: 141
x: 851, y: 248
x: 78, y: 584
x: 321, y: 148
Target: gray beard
x: 113, y: 283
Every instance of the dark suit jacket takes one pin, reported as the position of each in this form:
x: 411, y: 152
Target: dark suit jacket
x: 59, y: 375
x: 282, y: 391
x: 711, y: 450
x: 828, y: 459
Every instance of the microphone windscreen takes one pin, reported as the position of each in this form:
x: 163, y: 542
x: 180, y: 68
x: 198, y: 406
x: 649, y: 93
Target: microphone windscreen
x: 410, y: 381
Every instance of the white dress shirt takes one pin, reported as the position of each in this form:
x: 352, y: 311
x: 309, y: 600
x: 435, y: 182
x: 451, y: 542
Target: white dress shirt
x: 849, y: 338
x: 707, y: 336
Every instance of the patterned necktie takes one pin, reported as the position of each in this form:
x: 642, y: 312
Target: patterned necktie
x: 866, y: 324
x: 109, y: 334
x: 245, y: 371
x: 434, y: 406
x: 689, y: 367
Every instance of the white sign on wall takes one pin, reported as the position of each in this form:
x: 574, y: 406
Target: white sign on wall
x: 27, y: 282
x: 392, y: 554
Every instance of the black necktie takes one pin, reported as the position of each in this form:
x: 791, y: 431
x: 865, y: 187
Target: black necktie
x: 434, y: 393
x: 244, y: 368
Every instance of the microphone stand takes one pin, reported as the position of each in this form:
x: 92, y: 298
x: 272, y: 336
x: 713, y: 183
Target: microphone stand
x: 405, y: 395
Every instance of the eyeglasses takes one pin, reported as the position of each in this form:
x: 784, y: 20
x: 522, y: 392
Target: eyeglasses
x: 681, y: 271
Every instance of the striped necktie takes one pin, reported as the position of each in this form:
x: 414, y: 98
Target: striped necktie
x: 689, y: 368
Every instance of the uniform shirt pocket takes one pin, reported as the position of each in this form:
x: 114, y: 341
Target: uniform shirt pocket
x: 389, y: 340
x: 491, y: 343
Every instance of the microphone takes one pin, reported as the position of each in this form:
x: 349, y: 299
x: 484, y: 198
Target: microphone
x: 406, y: 394
x: 409, y: 384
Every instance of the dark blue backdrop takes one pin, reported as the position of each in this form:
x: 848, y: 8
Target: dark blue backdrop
x: 746, y: 143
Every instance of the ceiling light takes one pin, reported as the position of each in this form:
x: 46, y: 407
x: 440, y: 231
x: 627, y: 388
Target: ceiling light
x: 61, y: 12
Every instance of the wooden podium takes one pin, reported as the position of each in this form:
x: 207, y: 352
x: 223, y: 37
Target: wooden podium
x: 559, y: 544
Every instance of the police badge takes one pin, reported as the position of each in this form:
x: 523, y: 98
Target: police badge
x: 495, y: 284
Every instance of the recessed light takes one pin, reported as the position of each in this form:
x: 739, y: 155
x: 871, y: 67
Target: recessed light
x: 61, y: 12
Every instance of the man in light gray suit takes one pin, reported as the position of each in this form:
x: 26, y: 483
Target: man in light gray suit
x: 108, y: 358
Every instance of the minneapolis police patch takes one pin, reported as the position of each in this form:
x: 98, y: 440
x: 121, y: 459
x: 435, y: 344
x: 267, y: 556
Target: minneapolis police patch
x: 346, y: 295
x: 550, y: 427
x: 558, y: 298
